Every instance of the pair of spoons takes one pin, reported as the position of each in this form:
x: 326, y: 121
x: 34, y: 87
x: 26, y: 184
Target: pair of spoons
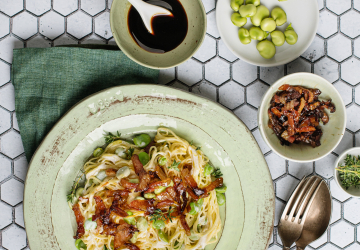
x: 307, y: 213
x: 148, y: 11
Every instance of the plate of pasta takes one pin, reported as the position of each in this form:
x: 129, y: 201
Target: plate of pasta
x: 148, y: 167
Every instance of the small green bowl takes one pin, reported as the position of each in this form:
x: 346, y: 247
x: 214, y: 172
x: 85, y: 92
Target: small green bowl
x: 196, y: 32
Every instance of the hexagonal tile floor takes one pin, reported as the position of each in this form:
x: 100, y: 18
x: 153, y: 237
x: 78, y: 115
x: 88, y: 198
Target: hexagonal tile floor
x: 213, y: 72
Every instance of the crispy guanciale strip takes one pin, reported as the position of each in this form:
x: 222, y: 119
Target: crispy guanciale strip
x: 131, y: 246
x: 110, y: 172
x: 217, y: 183
x: 79, y: 220
x: 147, y: 148
x: 143, y: 175
x: 166, y: 204
x: 276, y: 112
x: 168, y: 194
x: 185, y: 225
x: 291, y: 127
x: 302, y: 105
x: 143, y: 205
x: 325, y: 118
x: 187, y: 177
x: 305, y: 129
x: 191, y: 193
x: 113, y: 193
x: 118, y: 211
x: 127, y: 184
x: 160, y: 173
x: 100, y: 210
x: 110, y: 229
x: 124, y: 232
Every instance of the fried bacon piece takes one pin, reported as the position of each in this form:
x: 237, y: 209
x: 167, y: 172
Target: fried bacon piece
x: 143, y: 175
x: 124, y: 233
x: 295, y: 112
x: 109, y: 229
x: 110, y: 172
x: 127, y: 184
x: 160, y: 173
x: 190, y: 182
x: 79, y: 220
x: 143, y: 205
x: 101, y: 212
x: 131, y: 246
x: 118, y: 211
x: 192, y: 194
x: 166, y: 204
x: 147, y: 148
x: 217, y: 183
x: 168, y: 194
x: 185, y: 225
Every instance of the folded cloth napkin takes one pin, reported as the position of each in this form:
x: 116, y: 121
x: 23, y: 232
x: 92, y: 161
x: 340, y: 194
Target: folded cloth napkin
x: 48, y: 82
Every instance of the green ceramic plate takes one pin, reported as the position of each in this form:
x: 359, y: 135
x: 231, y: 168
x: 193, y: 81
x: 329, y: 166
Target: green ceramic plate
x: 248, y: 215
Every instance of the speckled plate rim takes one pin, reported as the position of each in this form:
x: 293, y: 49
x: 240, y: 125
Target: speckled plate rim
x: 149, y: 66
x: 261, y: 226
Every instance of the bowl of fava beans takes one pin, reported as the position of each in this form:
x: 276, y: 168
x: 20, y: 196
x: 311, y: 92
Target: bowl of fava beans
x: 267, y: 32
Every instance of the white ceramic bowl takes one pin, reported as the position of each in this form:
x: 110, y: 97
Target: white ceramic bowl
x: 355, y: 192
x: 303, y: 15
x: 333, y: 131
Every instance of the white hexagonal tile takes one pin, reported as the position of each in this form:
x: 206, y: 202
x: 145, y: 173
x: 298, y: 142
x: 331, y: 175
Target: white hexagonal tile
x: 279, y: 208
x: 357, y: 46
x: 205, y: 89
x: 356, y: 4
x: 262, y: 144
x: 211, y: 25
x: 65, y: 7
x: 339, y: 47
x: 315, y: 50
x: 7, y: 97
x: 337, y: 192
x: 285, y: 187
x: 231, y: 95
x: 166, y: 75
x: 4, y: 73
x: 21, y: 167
x: 38, y: 7
x: 5, y: 25
x: 325, y: 166
x: 271, y: 74
x: 24, y: 20
x: 5, y: 120
x: 244, y: 72
x: 93, y: 39
x: 248, y: 115
x: 109, y: 3
x: 11, y: 7
x: 321, y: 241
x: 272, y: 236
x: 276, y: 164
x: 346, y: 143
x: 298, y: 65
x: 338, y: 7
x: 190, y: 72
x: 352, y: 211
x: 14, y: 238
x: 336, y: 211
x: 320, y: 4
x: 255, y: 92
x: 209, y: 5
x: 350, y: 23
x: 38, y: 42
x: 7, y: 45
x: 11, y: 144
x: 19, y: 215
x: 274, y: 247
x: 112, y: 42
x: 52, y: 25
x: 225, y: 53
x: 350, y: 72
x: 329, y: 246
x: 64, y: 39
x: 327, y: 24
x: 79, y: 25
x: 353, y: 118
x: 6, y: 215
x: 207, y: 49
x: 345, y: 91
x: 299, y: 170
x: 217, y: 71
x: 5, y: 164
x: 179, y: 85
x: 357, y: 94
x: 354, y: 246
x: 102, y: 25
x: 93, y: 7
x: 12, y: 192
x: 342, y: 234
x: 327, y: 69
x: 358, y: 233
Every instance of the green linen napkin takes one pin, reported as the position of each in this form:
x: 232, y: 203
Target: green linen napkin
x: 48, y: 82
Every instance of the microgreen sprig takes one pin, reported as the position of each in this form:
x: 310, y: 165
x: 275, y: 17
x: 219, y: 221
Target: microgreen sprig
x: 175, y: 166
x: 217, y: 173
x: 160, y: 215
x: 349, y: 173
x: 110, y: 137
x: 71, y: 196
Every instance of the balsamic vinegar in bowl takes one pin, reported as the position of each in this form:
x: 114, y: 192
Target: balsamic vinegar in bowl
x: 169, y: 31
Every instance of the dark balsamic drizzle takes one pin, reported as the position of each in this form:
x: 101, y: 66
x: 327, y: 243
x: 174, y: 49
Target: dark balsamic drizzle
x: 169, y: 32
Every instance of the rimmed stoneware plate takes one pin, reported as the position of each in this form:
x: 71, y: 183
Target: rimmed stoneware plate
x: 248, y: 215
x: 303, y: 15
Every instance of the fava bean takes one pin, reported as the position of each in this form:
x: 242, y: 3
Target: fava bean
x: 162, y: 161
x: 290, y: 35
x: 134, y: 238
x: 257, y: 34
x: 130, y: 221
x: 238, y: 20
x: 142, y: 140
x: 244, y: 36
x: 79, y: 244
x: 221, y: 189
x: 142, y: 224
x: 120, y: 151
x: 159, y: 190
x: 79, y: 192
x: 254, y: 2
x: 268, y: 24
x: 208, y: 169
x: 98, y: 152
x: 144, y: 158
x: 220, y: 199
x: 101, y: 175
x: 266, y: 49
x: 247, y: 10
x: 159, y: 224
x: 149, y: 195
x: 129, y: 213
x: 90, y: 225
x: 279, y: 16
x: 163, y: 236
x: 261, y: 13
x: 139, y: 198
x: 134, y: 180
x: 277, y: 37
x: 235, y: 4
x: 123, y: 172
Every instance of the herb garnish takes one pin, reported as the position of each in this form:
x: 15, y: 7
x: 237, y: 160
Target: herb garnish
x: 71, y: 196
x: 110, y: 137
x: 175, y: 166
x: 198, y: 148
x: 349, y: 174
x: 129, y: 153
x: 160, y: 215
x: 217, y: 173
